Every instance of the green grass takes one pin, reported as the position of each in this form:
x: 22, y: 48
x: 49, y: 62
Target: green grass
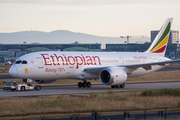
x: 4, y: 69
x: 161, y: 92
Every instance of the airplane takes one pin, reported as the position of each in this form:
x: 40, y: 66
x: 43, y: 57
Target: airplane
x: 112, y: 68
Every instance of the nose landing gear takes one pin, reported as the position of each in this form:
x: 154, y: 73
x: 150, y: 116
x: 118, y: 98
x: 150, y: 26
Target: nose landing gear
x: 84, y: 84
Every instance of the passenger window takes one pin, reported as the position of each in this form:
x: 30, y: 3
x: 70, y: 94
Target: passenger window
x: 24, y: 62
x: 18, y: 62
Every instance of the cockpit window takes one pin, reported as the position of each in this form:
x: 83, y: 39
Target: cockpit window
x: 18, y: 62
x: 21, y: 62
x: 24, y: 62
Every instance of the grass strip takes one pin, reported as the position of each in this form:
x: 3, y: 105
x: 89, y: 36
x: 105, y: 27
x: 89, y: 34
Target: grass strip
x: 103, y: 102
x: 161, y: 92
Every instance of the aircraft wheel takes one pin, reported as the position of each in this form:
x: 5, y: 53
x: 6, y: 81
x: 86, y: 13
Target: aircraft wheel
x: 122, y: 85
x: 113, y: 86
x: 88, y: 84
x: 38, y: 88
x: 84, y: 84
x: 80, y: 84
x: 22, y: 88
x: 117, y: 86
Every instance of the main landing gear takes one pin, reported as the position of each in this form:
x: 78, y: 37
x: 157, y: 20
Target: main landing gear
x: 118, y: 86
x: 84, y: 84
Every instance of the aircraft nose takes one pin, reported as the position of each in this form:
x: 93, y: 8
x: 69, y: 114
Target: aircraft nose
x: 13, y: 71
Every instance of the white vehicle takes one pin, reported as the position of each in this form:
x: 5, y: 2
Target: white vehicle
x: 9, y: 85
x: 28, y: 86
x: 12, y: 85
x: 112, y: 68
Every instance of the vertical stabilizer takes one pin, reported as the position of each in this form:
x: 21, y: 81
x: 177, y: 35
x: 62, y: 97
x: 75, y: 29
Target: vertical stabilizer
x: 159, y: 44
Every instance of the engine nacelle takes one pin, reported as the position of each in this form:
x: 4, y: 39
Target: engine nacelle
x: 43, y: 81
x: 112, y: 76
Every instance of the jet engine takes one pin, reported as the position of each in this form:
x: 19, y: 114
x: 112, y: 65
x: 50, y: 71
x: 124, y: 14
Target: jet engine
x: 43, y: 81
x: 112, y: 76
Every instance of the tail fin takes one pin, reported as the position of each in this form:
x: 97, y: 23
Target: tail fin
x: 159, y: 44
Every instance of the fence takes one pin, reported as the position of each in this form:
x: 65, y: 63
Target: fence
x: 121, y: 114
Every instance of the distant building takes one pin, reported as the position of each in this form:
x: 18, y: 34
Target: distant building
x: 173, y: 37
x: 10, y: 52
x: 171, y: 51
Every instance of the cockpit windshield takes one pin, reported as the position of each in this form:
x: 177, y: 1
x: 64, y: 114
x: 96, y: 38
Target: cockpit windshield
x: 18, y: 62
x: 21, y: 62
x: 24, y: 62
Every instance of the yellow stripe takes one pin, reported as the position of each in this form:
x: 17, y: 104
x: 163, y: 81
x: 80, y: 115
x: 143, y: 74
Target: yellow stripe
x: 161, y: 44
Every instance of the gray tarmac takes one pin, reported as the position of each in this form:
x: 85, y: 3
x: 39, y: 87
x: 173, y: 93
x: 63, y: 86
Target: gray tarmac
x: 57, y: 90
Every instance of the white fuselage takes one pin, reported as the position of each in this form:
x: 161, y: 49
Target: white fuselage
x: 59, y: 65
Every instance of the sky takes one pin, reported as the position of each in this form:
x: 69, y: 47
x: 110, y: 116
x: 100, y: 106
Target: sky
x: 109, y: 18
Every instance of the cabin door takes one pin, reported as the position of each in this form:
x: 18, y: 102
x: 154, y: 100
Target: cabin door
x: 121, y: 60
x: 40, y: 62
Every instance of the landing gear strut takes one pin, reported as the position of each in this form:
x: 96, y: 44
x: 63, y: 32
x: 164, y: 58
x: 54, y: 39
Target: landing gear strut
x: 84, y: 84
x: 118, y: 86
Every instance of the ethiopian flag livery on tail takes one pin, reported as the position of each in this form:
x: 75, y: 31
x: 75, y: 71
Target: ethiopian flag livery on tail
x: 159, y: 44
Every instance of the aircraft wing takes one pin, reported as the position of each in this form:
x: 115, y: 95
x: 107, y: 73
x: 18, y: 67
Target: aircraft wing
x: 146, y: 66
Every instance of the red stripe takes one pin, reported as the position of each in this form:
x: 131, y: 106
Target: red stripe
x: 160, y: 50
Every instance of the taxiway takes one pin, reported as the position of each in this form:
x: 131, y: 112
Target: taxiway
x: 57, y: 90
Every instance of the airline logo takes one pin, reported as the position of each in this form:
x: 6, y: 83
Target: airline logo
x: 54, y: 59
x: 26, y: 71
x: 161, y: 44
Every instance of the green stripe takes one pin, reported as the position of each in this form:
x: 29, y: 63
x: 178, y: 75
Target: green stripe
x: 163, y: 35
